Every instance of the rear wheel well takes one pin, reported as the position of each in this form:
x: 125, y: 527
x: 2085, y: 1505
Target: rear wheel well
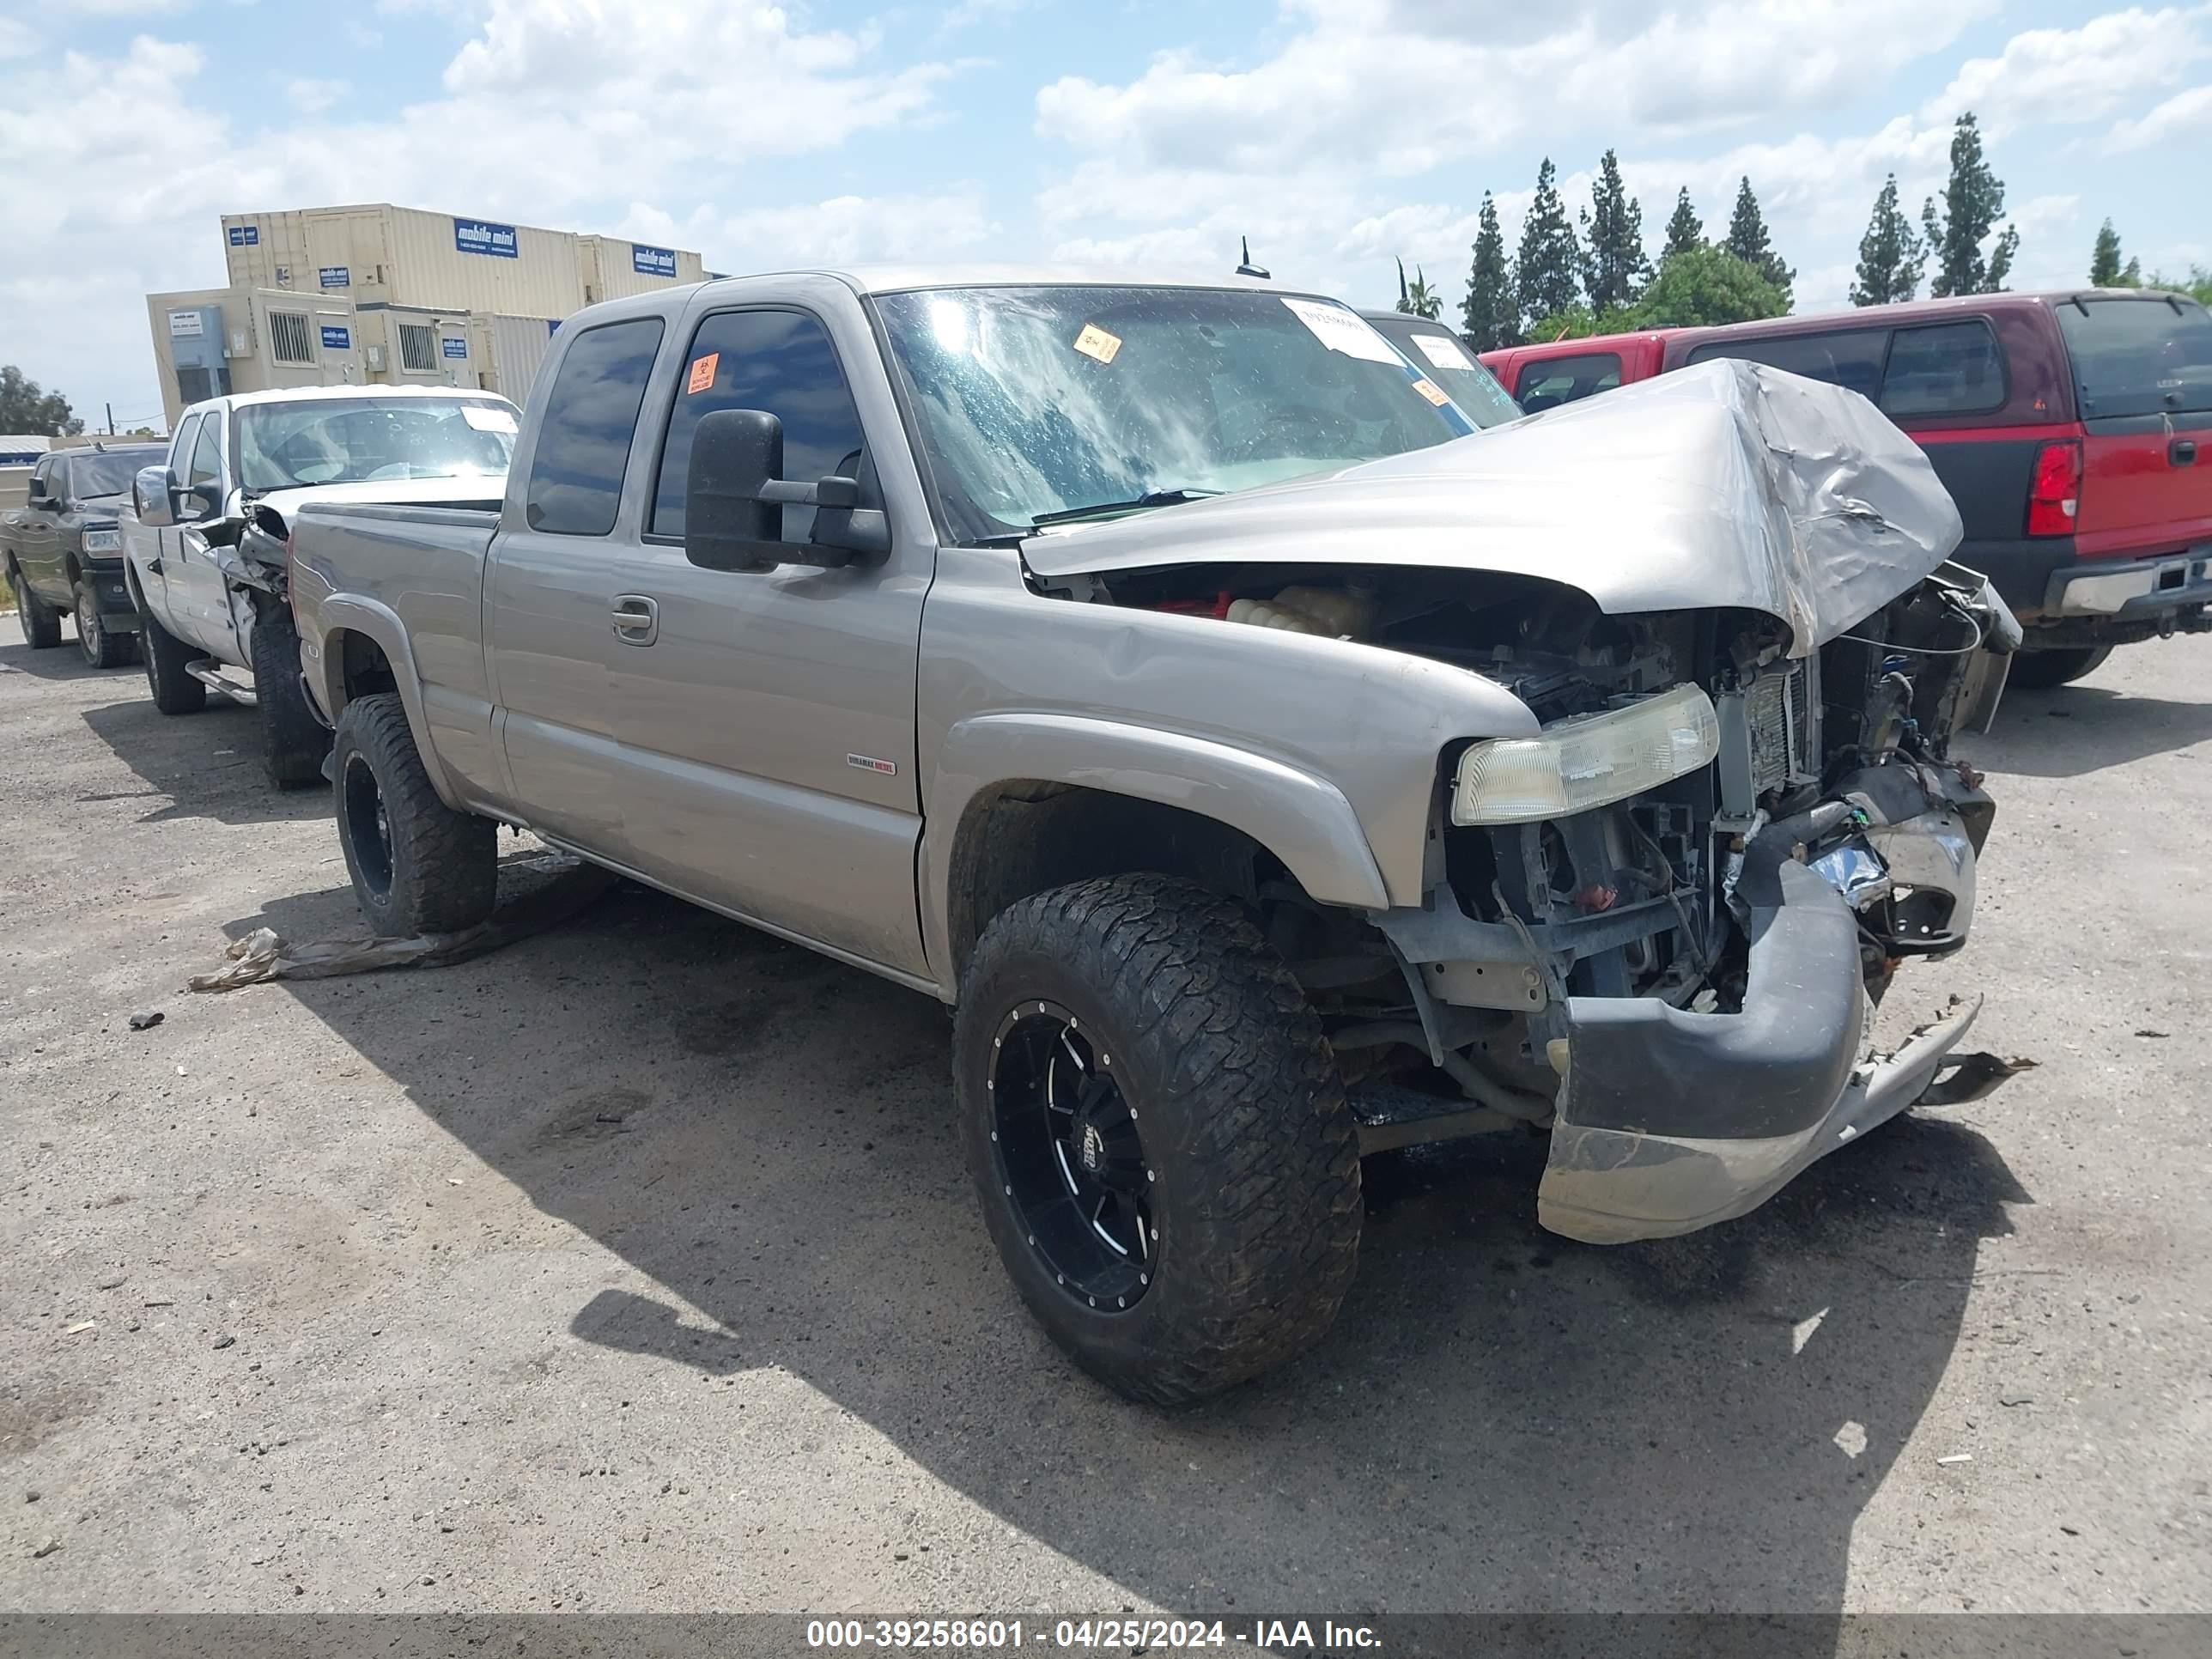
x: 1026, y: 837
x: 363, y: 669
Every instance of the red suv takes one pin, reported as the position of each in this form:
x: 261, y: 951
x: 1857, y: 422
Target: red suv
x: 2067, y: 428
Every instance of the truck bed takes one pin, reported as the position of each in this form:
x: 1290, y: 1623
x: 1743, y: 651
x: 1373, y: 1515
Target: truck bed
x: 425, y: 566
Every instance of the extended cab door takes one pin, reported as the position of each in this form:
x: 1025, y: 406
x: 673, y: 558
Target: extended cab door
x: 766, y: 718
x: 770, y: 712
x: 557, y: 562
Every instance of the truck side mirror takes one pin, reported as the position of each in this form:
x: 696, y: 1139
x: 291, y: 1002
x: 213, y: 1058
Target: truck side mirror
x: 736, y: 453
x: 153, y: 495
x: 735, y: 494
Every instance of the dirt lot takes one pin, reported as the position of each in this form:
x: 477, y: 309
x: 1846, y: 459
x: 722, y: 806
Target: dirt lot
x: 635, y: 1267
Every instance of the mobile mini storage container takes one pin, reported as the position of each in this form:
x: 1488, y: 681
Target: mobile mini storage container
x: 382, y: 255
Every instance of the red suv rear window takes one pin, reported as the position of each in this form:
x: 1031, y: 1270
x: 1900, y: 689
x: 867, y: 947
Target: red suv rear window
x: 2146, y: 356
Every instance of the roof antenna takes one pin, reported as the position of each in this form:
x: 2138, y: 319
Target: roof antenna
x: 1402, y: 295
x: 1245, y: 267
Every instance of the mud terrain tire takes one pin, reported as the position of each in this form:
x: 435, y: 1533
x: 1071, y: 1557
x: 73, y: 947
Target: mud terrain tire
x: 418, y: 866
x: 1249, y: 1156
x: 175, y: 691
x: 293, y: 741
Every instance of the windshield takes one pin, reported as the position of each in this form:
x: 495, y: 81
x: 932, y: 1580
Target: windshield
x: 345, y: 440
x: 1038, y: 402
x: 2138, y: 356
x: 109, y: 473
x: 1440, y: 354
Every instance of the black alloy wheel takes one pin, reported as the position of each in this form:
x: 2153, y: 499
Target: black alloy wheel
x: 368, y: 823
x: 1070, y: 1154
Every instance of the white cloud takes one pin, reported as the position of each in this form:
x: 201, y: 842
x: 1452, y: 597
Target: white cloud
x: 552, y: 112
x: 1397, y: 88
x: 842, y: 231
x: 968, y: 13
x: 2185, y: 114
x: 311, y: 96
x: 2077, y: 75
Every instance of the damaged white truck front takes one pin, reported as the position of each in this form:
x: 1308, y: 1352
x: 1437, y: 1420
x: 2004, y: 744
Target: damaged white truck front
x: 1269, y: 767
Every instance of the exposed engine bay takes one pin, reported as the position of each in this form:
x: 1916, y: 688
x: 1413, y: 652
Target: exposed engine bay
x: 1627, y: 884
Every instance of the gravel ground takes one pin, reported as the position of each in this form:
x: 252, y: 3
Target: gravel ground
x: 635, y: 1267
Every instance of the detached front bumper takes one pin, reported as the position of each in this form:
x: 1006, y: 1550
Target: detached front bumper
x: 1669, y: 1121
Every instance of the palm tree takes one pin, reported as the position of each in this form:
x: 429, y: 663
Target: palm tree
x: 1417, y: 298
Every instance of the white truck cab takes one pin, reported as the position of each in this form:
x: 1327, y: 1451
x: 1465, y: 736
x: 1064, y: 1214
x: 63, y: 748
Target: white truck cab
x: 204, y: 541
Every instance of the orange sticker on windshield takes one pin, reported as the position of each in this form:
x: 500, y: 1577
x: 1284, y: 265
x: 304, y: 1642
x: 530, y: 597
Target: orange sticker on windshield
x: 703, y: 373
x: 1435, y: 393
x: 1096, y: 341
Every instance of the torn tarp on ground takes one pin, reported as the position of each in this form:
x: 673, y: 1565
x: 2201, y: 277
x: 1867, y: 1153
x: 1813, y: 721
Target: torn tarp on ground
x: 264, y: 955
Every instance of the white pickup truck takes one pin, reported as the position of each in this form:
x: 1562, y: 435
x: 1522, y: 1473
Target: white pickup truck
x: 205, y: 543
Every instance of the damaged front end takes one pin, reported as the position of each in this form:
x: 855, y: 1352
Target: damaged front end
x: 1657, y: 929
x: 1687, y: 899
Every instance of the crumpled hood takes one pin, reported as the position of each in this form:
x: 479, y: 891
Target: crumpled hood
x: 490, y: 488
x: 1726, y: 484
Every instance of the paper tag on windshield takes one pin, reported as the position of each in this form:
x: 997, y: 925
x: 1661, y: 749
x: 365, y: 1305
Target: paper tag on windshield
x: 1343, y: 331
x: 703, y: 373
x: 1096, y: 341
x: 1435, y: 393
x: 485, y: 418
x: 1444, y: 351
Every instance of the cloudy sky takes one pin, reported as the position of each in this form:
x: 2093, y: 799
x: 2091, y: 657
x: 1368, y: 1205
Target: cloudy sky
x: 1336, y: 134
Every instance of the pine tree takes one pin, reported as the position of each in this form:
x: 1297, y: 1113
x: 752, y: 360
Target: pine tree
x: 1747, y: 240
x: 1490, y: 317
x: 1685, y: 230
x: 2105, y: 262
x: 1615, y: 267
x: 1973, y: 203
x: 1890, y: 254
x: 1548, y: 274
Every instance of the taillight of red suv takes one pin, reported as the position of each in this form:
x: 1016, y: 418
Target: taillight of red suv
x: 2055, y: 498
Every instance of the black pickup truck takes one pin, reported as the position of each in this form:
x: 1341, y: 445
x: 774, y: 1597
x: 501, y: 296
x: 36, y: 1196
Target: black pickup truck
x: 63, y: 552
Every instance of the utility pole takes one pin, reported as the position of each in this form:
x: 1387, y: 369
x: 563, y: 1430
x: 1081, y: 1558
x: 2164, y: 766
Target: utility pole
x: 111, y: 420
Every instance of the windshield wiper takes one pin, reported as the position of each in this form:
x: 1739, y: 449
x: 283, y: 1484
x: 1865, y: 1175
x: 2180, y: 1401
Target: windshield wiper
x: 1150, y: 498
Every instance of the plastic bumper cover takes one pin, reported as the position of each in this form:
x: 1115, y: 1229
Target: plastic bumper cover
x: 1671, y: 1122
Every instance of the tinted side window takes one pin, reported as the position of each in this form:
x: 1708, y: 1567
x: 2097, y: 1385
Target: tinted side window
x: 584, y: 436
x: 207, y: 454
x: 1550, y: 381
x: 1850, y: 357
x: 778, y: 361
x: 1949, y: 368
x: 43, y: 479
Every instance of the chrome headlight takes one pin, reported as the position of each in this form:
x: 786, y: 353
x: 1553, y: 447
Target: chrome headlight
x: 1587, y: 760
x: 103, y: 541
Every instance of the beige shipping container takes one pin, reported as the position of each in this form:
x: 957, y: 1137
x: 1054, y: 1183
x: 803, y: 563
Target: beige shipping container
x: 611, y: 268
x: 506, y: 352
x: 210, y: 342
x: 408, y: 345
x: 380, y: 254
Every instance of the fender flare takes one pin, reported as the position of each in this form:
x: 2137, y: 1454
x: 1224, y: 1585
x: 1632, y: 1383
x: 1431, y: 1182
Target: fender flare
x: 382, y: 627
x: 1303, y: 820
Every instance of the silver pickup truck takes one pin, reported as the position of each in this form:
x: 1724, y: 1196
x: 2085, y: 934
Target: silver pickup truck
x: 1269, y: 769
